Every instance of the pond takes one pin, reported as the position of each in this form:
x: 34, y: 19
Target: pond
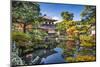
x: 48, y: 56
x: 54, y: 57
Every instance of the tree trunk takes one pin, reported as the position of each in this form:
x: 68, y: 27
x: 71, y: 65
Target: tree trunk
x: 24, y: 28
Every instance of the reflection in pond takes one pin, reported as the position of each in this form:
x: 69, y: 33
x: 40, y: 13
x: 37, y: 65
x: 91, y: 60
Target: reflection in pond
x: 54, y: 58
x: 46, y: 56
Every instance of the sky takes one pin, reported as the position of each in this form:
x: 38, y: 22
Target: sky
x: 54, y: 10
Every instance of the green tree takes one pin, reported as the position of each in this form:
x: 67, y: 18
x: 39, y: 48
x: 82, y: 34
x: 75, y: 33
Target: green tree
x: 67, y: 16
x: 22, y: 41
x: 64, y: 25
x: 87, y: 41
x: 38, y: 37
x: 67, y: 21
x: 88, y: 13
x: 25, y: 12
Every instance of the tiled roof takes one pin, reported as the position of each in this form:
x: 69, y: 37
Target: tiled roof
x: 47, y: 26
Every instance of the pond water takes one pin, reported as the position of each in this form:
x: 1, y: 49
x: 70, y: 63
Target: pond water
x: 54, y: 58
x: 48, y: 56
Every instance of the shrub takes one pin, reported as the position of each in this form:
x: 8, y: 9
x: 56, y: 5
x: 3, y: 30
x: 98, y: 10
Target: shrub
x: 20, y: 38
x: 85, y: 58
x: 70, y: 59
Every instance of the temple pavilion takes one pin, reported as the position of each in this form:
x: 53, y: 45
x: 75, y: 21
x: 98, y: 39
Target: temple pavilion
x: 48, y: 25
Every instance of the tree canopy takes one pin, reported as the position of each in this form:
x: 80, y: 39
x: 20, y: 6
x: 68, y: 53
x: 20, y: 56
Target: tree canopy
x: 25, y: 11
x: 67, y: 15
x: 88, y: 13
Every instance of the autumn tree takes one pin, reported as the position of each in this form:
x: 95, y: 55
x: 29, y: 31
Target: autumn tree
x: 87, y: 40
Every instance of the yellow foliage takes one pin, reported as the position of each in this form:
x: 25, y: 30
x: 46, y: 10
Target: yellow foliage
x: 85, y: 37
x: 85, y: 58
x: 80, y: 58
x: 70, y: 59
x: 87, y: 44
